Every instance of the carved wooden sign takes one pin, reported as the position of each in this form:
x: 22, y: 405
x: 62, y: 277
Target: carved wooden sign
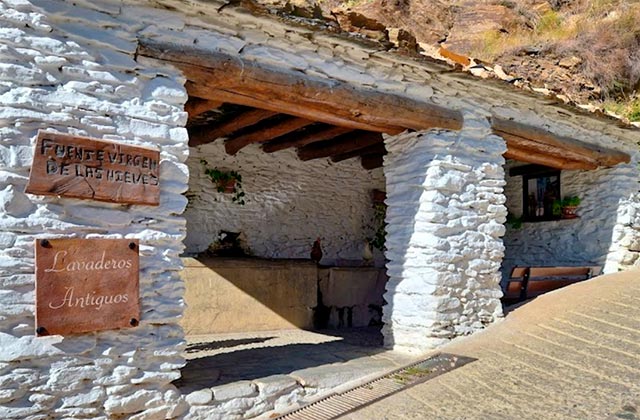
x: 81, y: 167
x: 86, y: 285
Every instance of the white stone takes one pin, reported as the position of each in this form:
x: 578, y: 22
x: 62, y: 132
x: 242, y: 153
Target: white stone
x: 157, y: 413
x: 125, y: 404
x: 166, y: 90
x: 275, y: 385
x: 200, y: 397
x: 29, y: 347
x: 239, y: 389
x: 7, y: 239
x: 96, y: 394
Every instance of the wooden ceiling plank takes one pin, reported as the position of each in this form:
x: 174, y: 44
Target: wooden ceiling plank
x: 524, y: 155
x: 208, y: 133
x: 372, y: 161
x: 375, y: 149
x: 302, y: 140
x: 229, y: 78
x: 340, y: 145
x: 517, y: 133
x: 261, y: 135
x: 196, y: 106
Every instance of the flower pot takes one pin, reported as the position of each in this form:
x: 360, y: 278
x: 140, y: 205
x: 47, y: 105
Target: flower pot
x: 227, y: 186
x: 569, y: 212
x: 378, y: 196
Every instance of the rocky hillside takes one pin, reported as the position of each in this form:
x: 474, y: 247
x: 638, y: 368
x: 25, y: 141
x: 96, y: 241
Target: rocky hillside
x: 588, y: 51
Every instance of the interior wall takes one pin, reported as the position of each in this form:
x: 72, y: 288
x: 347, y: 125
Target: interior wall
x: 591, y: 239
x: 289, y: 203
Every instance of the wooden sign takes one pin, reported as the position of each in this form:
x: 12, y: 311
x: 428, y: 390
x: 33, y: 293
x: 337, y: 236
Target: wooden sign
x: 81, y: 167
x: 86, y: 285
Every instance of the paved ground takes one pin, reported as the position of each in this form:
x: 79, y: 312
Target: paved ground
x: 319, y: 361
x: 571, y: 354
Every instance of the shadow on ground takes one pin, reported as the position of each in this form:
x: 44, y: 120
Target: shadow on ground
x: 216, y: 345
x: 258, y: 357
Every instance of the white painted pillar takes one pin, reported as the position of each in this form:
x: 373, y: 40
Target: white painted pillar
x: 445, y: 221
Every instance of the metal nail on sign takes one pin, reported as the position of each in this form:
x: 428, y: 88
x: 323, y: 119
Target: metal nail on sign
x: 101, y: 170
x: 86, y: 285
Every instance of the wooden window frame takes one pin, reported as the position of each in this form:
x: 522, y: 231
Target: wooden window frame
x: 547, y: 213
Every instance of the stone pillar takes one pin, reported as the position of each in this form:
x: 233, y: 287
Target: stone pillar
x: 444, y: 225
x: 620, y: 191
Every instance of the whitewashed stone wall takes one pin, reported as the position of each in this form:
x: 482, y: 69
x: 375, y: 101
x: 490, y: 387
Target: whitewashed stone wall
x: 626, y: 235
x: 598, y: 237
x: 445, y: 218
x: 71, y: 70
x: 69, y: 66
x: 289, y: 203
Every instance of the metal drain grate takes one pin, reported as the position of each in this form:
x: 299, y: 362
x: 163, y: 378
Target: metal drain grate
x: 336, y: 405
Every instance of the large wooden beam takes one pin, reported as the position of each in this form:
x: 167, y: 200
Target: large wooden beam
x: 294, y: 140
x: 340, y: 145
x: 206, y: 134
x: 263, y: 134
x: 558, y: 162
x: 376, y: 149
x: 230, y: 78
x: 543, y: 150
x: 545, y: 144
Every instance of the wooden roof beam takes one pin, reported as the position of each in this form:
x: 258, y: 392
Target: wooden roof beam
x: 196, y: 106
x: 377, y: 149
x: 230, y: 78
x: 263, y: 134
x: 370, y: 162
x: 206, y: 134
x: 295, y: 140
x: 538, y: 149
x: 558, y: 162
x: 559, y: 148
x: 340, y: 145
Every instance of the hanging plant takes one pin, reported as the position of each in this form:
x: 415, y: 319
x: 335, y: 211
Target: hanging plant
x: 379, y: 226
x: 226, y: 181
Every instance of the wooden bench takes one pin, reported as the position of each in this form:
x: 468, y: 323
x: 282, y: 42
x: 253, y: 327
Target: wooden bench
x: 529, y: 282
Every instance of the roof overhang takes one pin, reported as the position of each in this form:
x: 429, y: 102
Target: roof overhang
x: 222, y: 77
x: 535, y: 145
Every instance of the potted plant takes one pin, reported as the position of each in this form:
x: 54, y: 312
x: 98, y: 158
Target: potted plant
x: 569, y: 207
x: 226, y: 181
x: 379, y: 226
x: 514, y: 221
x: 378, y: 196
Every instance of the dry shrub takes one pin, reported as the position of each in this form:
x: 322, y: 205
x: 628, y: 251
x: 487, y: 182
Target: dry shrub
x: 610, y: 50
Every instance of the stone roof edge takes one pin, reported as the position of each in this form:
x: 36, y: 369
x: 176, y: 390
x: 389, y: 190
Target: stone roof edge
x: 440, y: 60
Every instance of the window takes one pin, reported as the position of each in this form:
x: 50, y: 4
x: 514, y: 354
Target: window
x: 541, y: 192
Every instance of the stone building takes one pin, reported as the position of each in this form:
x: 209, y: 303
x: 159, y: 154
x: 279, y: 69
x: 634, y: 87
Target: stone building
x: 442, y: 144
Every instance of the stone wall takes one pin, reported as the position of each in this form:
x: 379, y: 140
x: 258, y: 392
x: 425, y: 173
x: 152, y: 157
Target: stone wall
x: 288, y: 204
x: 70, y: 66
x: 445, y: 218
x: 227, y: 295
x: 71, y: 70
x: 595, y: 238
x: 234, y: 295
